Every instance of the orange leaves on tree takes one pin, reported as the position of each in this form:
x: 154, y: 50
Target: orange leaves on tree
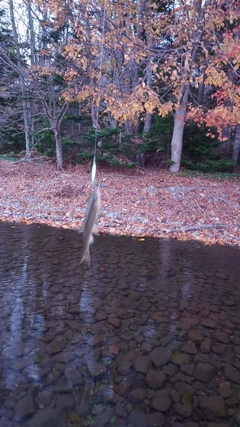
x: 128, y: 107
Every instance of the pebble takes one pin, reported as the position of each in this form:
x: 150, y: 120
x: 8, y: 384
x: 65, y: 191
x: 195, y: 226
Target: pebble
x: 161, y: 400
x: 204, y: 372
x: 205, y: 346
x: 24, y: 407
x: 232, y: 373
x: 160, y: 356
x: 137, y: 395
x: 213, y: 405
x: 155, y: 379
x: 184, y: 411
x: 141, y: 363
x: 156, y: 419
x: 180, y: 359
x: 137, y: 419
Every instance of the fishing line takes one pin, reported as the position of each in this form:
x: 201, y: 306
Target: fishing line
x: 94, y: 166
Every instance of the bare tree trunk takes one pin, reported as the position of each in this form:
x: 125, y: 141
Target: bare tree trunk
x: 147, y: 123
x: 130, y: 83
x: 59, y: 153
x: 55, y: 119
x: 201, y: 90
x: 21, y: 81
x: 95, y: 116
x: 130, y: 128
x: 148, y: 120
x: 180, y: 115
x: 227, y: 135
x: 236, y: 145
x: 112, y: 122
x: 177, y: 138
x: 33, y: 50
x: 26, y: 120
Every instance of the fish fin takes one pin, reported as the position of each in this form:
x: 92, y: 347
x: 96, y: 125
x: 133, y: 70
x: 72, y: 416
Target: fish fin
x: 95, y: 229
x: 86, y: 258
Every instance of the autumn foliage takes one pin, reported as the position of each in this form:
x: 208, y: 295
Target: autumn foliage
x: 128, y: 61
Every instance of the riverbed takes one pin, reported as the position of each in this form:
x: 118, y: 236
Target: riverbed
x: 148, y: 335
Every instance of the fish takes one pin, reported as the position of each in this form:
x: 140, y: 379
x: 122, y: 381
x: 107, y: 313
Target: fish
x: 90, y: 227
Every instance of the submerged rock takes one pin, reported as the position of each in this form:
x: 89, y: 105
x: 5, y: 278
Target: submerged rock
x: 137, y: 395
x: 184, y: 411
x: 24, y: 407
x: 155, y: 379
x: 160, y: 356
x: 204, y: 372
x: 155, y: 419
x: 161, y: 400
x: 44, y: 417
x: 95, y: 368
x: 213, y: 406
x: 137, y: 419
x: 232, y: 374
x: 180, y: 358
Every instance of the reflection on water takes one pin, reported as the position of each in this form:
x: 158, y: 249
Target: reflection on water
x: 148, y: 336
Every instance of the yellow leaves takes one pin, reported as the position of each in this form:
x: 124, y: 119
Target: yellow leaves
x: 174, y: 75
x: 233, y: 16
x: 44, y: 70
x: 73, y: 51
x: 70, y: 75
x: 45, y: 52
x: 130, y: 106
x: 215, y: 76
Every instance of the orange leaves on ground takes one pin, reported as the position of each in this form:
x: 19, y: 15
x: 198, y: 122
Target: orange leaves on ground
x: 137, y: 202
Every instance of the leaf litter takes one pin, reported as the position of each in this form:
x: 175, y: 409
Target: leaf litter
x: 137, y: 202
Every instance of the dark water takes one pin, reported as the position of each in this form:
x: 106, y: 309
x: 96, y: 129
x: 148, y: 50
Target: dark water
x: 148, y: 336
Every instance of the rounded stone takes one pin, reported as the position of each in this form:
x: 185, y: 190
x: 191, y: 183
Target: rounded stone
x: 237, y: 416
x: 184, y: 411
x: 160, y: 356
x: 155, y: 419
x: 180, y: 358
x: 232, y: 374
x: 137, y: 419
x: 137, y: 395
x: 204, y: 372
x: 213, y: 405
x: 155, y: 379
x: 161, y: 401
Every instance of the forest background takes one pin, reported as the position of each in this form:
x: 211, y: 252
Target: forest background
x: 154, y: 84
x: 158, y: 82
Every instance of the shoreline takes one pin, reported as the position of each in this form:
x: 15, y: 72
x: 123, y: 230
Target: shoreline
x: 140, y: 203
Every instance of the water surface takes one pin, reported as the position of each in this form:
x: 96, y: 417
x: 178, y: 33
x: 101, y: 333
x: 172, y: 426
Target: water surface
x: 149, y: 335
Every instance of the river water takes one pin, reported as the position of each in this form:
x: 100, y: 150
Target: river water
x: 149, y: 335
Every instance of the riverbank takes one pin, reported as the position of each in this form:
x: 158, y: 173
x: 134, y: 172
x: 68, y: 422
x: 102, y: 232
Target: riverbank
x: 150, y: 202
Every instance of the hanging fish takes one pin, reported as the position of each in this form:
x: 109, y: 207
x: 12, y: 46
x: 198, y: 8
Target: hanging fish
x: 89, y: 226
x: 93, y: 171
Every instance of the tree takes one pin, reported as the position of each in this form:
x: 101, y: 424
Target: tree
x: 129, y: 61
x: 48, y: 85
x: 22, y: 70
x: 222, y: 74
x: 236, y: 144
x: 108, y: 61
x: 10, y: 107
